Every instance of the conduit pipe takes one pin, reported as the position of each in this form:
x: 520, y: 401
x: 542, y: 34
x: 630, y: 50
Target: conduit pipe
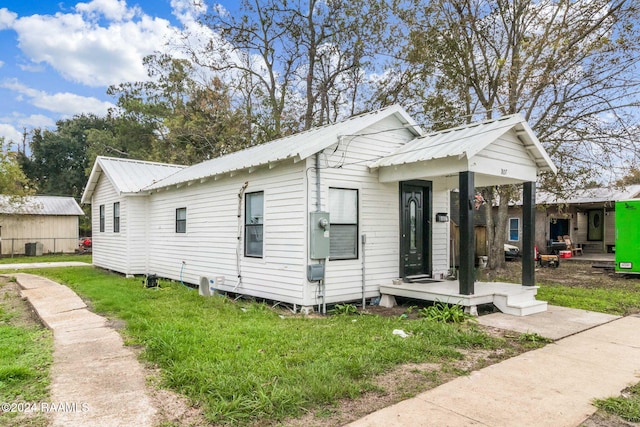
x: 239, y: 233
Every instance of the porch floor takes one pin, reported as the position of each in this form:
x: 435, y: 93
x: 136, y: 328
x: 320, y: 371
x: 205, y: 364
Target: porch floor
x: 509, y: 298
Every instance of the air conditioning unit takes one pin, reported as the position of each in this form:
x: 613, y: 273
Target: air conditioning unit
x: 209, y: 285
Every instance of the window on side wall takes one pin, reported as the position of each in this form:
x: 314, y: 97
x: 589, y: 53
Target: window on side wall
x: 116, y: 217
x: 343, y: 234
x: 102, y: 218
x: 253, y: 224
x: 181, y: 220
x: 514, y: 229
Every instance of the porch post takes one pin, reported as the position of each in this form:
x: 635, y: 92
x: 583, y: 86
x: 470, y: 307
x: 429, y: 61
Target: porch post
x: 528, y: 233
x: 466, y: 274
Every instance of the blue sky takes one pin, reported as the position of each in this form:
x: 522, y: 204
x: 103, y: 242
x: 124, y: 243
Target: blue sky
x: 58, y: 58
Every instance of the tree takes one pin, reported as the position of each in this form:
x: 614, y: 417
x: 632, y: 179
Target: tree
x: 181, y: 120
x: 13, y: 181
x: 569, y: 67
x: 295, y: 62
x: 58, y: 161
x: 631, y: 178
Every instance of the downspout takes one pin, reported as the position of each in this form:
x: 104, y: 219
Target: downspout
x: 363, y: 238
x: 239, y: 242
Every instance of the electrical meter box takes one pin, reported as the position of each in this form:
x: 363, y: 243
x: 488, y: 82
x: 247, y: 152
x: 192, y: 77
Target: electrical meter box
x: 628, y: 236
x: 319, y: 226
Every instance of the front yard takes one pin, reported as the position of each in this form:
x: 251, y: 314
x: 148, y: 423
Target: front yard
x: 247, y: 363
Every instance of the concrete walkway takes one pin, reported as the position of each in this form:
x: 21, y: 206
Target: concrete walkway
x: 552, y: 386
x: 98, y: 381
x: 24, y: 266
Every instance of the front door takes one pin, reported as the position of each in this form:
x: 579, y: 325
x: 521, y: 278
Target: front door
x: 415, y: 229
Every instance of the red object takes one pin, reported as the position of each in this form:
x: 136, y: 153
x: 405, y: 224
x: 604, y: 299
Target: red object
x: 565, y: 254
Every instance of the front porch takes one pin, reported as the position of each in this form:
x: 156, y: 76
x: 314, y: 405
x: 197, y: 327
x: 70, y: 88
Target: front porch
x: 509, y: 298
x: 491, y: 153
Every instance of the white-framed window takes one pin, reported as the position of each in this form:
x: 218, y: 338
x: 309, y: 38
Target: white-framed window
x: 181, y: 220
x: 343, y: 234
x: 116, y: 217
x: 514, y: 229
x: 253, y: 224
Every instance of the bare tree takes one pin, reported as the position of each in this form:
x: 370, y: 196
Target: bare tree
x: 297, y: 64
x: 569, y: 67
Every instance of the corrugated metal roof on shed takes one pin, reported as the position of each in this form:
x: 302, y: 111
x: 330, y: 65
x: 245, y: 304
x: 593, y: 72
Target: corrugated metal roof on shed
x: 298, y: 146
x: 591, y: 195
x: 39, y: 205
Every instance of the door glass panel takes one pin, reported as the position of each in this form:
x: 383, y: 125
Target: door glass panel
x: 412, y: 226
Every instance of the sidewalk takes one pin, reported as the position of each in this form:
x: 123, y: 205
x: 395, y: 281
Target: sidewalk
x: 4, y: 267
x: 93, y: 375
x: 552, y: 386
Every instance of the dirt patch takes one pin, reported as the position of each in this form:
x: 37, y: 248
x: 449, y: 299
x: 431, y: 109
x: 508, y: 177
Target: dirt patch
x: 575, y: 273
x: 22, y: 314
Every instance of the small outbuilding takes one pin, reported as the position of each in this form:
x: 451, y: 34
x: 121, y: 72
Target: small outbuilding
x: 38, y: 224
x: 333, y: 214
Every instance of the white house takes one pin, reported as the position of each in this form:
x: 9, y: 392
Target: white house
x: 357, y: 204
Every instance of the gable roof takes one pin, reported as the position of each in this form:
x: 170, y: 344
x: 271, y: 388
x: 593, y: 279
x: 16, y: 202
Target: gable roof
x: 591, y: 195
x: 127, y: 176
x: 298, y: 146
x: 40, y: 205
x: 467, y: 141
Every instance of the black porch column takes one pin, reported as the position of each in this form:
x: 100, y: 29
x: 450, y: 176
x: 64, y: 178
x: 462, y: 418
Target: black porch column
x: 467, y: 236
x: 528, y: 233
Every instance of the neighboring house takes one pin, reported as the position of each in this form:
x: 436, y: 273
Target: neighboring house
x: 48, y: 220
x: 587, y: 216
x: 253, y: 222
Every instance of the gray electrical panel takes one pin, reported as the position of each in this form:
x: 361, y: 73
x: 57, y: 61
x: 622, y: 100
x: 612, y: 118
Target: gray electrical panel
x: 315, y: 272
x: 319, y: 235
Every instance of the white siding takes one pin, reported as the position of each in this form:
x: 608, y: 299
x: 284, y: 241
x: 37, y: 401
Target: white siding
x: 208, y: 248
x: 509, y: 155
x: 440, y: 230
x: 135, y: 218
x: 110, y: 250
x: 345, y: 167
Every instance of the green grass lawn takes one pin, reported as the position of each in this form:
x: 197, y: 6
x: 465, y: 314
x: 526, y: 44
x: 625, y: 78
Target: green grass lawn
x: 47, y: 258
x: 25, y: 357
x: 243, y: 362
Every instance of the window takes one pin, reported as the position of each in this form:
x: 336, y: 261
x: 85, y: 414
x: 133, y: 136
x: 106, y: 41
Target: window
x: 116, y: 217
x: 181, y: 220
x: 253, y: 224
x: 514, y: 229
x: 102, y: 218
x: 343, y: 236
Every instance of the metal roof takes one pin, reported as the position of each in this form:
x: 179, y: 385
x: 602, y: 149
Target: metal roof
x: 591, y: 195
x: 467, y: 141
x: 39, y: 205
x: 127, y: 176
x: 298, y: 146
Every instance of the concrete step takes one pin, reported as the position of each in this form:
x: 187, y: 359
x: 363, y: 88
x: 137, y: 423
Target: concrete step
x: 519, y: 308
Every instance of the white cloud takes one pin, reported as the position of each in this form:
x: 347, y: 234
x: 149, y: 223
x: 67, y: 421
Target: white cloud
x: 84, y: 51
x: 63, y: 103
x: 113, y: 10
x: 10, y: 133
x: 7, y: 18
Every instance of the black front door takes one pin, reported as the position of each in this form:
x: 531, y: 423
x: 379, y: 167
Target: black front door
x: 415, y: 230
